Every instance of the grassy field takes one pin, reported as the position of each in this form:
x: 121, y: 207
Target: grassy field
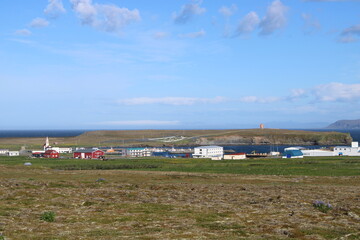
x: 321, y: 166
x: 179, y: 199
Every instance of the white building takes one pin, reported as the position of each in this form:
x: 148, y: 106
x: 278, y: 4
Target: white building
x: 213, y: 152
x: 138, y: 152
x: 13, y: 153
x: 60, y: 150
x: 354, y: 150
x: 317, y: 153
x: 4, y: 151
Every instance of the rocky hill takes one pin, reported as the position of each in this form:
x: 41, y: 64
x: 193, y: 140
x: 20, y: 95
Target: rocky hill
x: 345, y: 124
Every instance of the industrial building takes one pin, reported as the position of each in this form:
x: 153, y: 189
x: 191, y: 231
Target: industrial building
x: 354, y: 150
x: 213, y: 152
x: 293, y: 153
x: 138, y: 152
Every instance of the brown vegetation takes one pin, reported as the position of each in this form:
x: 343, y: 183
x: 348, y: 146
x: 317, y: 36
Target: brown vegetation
x: 158, y: 205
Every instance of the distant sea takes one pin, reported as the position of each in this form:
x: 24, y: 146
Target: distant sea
x: 39, y: 133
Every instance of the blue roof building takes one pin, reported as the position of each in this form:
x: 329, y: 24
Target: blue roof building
x: 293, y: 154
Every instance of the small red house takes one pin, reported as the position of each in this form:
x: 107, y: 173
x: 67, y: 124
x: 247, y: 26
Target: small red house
x: 51, y: 154
x: 88, y: 153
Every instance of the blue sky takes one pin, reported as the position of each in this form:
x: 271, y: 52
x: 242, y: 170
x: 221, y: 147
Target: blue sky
x: 121, y: 64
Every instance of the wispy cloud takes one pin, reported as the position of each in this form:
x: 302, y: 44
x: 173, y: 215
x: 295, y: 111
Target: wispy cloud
x: 54, y: 8
x: 228, y: 11
x: 274, y: 19
x: 187, y: 12
x: 354, y: 30
x: 160, y: 35
x: 39, y: 23
x: 109, y: 18
x: 347, y: 39
x: 337, y: 92
x: 198, y: 34
x: 23, y: 32
x: 311, y: 25
x: 248, y: 24
x: 296, y: 94
x: 255, y: 99
x: 177, y: 101
x: 350, y: 34
x: 139, y: 123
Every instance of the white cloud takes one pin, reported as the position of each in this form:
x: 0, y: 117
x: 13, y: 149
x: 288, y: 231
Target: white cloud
x: 198, y: 34
x: 109, y: 18
x: 177, y: 101
x: 337, y: 92
x: 296, y: 94
x: 39, y: 23
x: 187, y: 12
x: 348, y: 35
x: 275, y: 18
x: 139, y: 123
x: 228, y: 11
x: 347, y: 39
x: 354, y: 30
x: 23, y: 32
x: 311, y: 24
x: 255, y: 99
x: 54, y: 8
x: 248, y: 23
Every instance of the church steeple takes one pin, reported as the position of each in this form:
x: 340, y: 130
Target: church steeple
x: 47, y: 144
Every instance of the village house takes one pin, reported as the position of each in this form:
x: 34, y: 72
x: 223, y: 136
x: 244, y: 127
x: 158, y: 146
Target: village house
x: 13, y: 153
x: 51, y: 154
x: 88, y: 153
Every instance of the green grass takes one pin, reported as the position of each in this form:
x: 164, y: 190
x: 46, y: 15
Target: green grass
x: 317, y: 166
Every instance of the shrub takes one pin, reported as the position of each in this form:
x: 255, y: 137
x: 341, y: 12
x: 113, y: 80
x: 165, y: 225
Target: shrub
x: 48, y: 216
x: 2, y: 237
x: 322, y: 206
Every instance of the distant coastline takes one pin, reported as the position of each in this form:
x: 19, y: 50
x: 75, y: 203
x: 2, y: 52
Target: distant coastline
x: 355, y: 133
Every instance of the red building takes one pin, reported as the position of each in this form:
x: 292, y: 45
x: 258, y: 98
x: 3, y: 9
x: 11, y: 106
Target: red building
x: 88, y: 153
x: 51, y: 154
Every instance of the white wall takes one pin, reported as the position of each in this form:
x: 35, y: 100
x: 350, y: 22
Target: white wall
x: 215, y: 152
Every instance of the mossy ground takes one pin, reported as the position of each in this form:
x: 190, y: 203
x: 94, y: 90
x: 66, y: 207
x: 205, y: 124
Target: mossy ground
x: 173, y: 205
